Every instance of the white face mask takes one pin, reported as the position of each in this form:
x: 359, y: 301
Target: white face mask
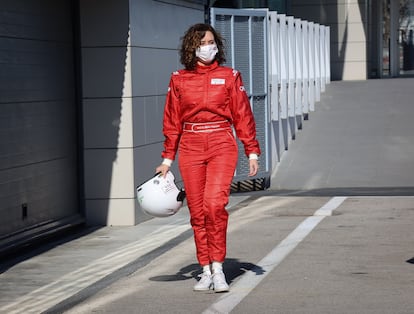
x: 207, y: 53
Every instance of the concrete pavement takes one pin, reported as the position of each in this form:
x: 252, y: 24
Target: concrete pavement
x: 290, y: 250
x: 360, y: 136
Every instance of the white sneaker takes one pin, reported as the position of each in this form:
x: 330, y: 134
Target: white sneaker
x: 204, y: 283
x: 219, y: 282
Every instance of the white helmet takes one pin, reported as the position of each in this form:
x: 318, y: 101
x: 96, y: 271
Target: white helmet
x: 159, y: 196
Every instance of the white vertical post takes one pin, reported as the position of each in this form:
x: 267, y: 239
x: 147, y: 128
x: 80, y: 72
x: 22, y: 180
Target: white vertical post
x: 328, y: 53
x: 274, y: 65
x: 291, y: 66
x: 317, y: 64
x: 322, y: 56
x: 299, y: 68
x: 283, y: 66
x: 305, y: 67
x: 311, y: 45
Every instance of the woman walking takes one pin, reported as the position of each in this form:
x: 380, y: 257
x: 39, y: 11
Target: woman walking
x: 204, y: 101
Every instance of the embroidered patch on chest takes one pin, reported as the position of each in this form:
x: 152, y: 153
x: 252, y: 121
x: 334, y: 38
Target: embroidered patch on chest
x: 217, y: 81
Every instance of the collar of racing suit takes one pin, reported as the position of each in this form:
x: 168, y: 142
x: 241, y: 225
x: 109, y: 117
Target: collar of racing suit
x: 206, y: 68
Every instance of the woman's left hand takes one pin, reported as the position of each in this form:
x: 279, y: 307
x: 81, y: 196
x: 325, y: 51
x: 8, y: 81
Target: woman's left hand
x: 253, y: 167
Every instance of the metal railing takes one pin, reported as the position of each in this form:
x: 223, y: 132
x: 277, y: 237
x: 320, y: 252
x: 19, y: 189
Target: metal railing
x: 292, y: 57
x: 299, y: 70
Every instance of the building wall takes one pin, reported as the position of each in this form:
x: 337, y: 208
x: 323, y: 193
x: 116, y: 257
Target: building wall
x: 348, y: 20
x: 38, y: 128
x: 129, y: 50
x: 157, y: 27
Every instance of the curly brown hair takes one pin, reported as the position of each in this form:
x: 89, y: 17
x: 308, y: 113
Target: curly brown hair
x: 191, y: 41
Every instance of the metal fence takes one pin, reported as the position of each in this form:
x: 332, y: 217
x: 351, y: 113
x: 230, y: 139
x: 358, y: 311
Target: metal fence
x: 285, y: 64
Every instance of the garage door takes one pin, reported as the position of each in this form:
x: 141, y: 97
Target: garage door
x: 38, y: 127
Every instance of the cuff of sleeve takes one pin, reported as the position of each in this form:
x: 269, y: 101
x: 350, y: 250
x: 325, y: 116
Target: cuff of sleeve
x: 253, y: 156
x: 167, y: 162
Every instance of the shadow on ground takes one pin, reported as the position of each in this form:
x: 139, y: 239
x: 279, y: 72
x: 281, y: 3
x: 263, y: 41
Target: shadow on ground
x: 232, y: 267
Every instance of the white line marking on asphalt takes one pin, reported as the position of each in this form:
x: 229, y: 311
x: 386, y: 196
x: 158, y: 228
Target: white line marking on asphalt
x: 250, y: 280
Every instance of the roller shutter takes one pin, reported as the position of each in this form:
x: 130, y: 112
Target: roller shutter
x: 38, y: 112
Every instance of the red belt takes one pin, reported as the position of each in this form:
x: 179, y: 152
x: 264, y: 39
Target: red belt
x: 206, y: 126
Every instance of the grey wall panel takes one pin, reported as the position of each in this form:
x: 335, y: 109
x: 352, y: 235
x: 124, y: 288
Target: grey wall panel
x: 145, y: 155
x: 105, y: 116
x: 160, y: 24
x: 151, y: 70
x: 148, y: 155
x: 120, y: 185
x: 38, y: 132
x: 106, y: 91
x: 109, y: 65
x: 157, y: 27
x: 148, y: 120
x: 125, y: 80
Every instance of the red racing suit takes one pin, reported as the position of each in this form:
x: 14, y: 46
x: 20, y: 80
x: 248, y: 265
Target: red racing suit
x: 208, y: 158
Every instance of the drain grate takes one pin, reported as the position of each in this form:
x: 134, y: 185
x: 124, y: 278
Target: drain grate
x: 257, y: 184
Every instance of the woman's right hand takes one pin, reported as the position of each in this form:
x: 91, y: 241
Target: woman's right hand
x: 163, y: 168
